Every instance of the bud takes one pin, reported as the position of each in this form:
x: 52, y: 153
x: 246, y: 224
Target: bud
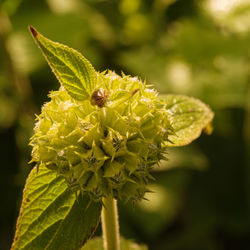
x: 105, y: 145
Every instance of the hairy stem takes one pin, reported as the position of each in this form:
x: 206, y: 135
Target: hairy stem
x: 110, y: 224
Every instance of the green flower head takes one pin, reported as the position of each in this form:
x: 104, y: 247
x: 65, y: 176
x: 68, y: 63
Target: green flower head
x: 106, y: 144
x: 101, y: 131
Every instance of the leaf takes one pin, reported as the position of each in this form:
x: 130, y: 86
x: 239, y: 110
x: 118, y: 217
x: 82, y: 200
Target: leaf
x: 126, y: 244
x: 73, y: 71
x: 189, y: 116
x: 51, y: 216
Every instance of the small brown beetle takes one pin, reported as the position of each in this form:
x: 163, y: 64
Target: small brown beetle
x: 99, y: 97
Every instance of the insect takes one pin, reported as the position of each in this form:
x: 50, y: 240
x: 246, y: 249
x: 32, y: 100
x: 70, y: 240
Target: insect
x: 99, y: 97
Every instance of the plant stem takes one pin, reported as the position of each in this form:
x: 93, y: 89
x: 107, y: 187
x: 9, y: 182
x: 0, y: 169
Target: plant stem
x: 110, y: 224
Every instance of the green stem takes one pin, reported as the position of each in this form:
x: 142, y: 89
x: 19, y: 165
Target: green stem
x: 110, y: 224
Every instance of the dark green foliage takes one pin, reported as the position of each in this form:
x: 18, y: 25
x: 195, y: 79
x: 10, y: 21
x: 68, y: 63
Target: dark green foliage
x: 182, y: 49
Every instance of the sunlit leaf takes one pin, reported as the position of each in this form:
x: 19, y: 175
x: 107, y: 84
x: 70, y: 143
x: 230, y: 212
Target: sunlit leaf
x: 73, y: 71
x: 51, y: 216
x: 189, y: 116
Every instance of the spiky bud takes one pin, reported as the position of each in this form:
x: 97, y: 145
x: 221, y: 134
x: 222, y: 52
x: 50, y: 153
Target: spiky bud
x: 101, y: 131
x: 105, y: 145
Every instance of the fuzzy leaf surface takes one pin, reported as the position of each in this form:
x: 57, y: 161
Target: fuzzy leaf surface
x: 73, y: 71
x: 189, y: 116
x: 51, y: 217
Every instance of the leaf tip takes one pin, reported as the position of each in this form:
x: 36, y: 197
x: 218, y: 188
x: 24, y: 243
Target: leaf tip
x: 33, y: 31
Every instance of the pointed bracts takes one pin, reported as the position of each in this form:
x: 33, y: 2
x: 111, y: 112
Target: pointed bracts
x: 103, y: 149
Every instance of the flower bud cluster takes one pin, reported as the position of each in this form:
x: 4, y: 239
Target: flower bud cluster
x: 105, y: 145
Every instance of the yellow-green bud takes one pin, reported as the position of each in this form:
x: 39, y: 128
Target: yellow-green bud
x: 105, y: 145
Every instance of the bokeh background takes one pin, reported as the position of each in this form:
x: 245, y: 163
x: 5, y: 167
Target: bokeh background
x: 198, y: 48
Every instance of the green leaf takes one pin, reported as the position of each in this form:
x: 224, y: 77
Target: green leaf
x: 51, y: 216
x: 97, y: 244
x: 189, y: 116
x: 73, y: 71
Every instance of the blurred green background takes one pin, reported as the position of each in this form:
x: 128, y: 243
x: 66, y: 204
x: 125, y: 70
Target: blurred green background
x: 198, y: 48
